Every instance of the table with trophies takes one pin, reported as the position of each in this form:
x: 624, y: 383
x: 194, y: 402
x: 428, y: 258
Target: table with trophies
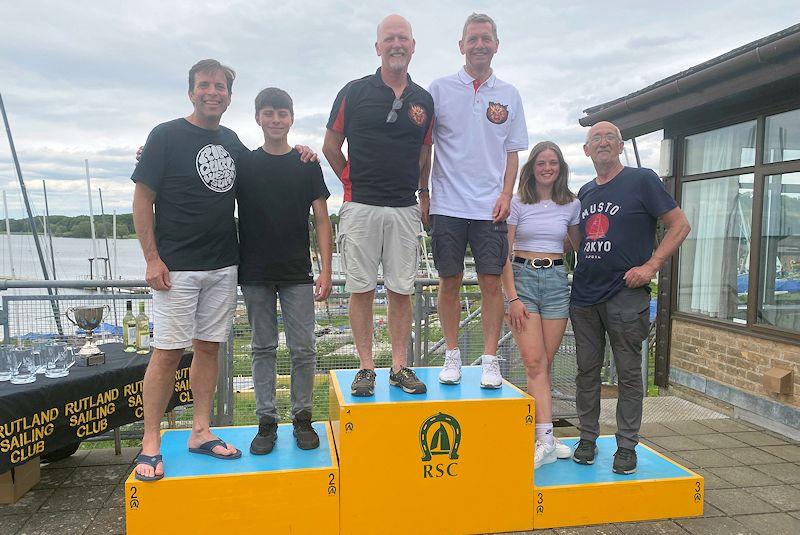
x: 58, y: 391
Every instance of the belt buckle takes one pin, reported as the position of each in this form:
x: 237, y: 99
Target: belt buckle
x: 539, y: 263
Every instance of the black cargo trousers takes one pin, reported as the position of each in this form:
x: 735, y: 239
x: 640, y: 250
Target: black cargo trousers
x: 626, y: 319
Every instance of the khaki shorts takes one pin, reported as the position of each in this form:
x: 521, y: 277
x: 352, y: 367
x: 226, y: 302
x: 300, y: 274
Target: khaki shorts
x: 199, y: 305
x: 370, y: 236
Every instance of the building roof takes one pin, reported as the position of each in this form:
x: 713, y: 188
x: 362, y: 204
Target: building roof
x: 781, y: 48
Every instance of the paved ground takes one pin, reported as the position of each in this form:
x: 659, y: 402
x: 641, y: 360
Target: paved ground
x: 752, y: 482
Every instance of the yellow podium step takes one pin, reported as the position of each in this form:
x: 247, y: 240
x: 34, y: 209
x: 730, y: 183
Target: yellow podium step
x: 287, y: 491
x: 570, y: 494
x: 461, y: 454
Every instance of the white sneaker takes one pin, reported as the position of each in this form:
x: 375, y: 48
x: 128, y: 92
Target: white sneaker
x: 451, y: 371
x: 544, y: 454
x: 562, y: 450
x: 490, y: 374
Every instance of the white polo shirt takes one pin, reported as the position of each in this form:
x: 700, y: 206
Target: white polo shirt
x: 473, y: 131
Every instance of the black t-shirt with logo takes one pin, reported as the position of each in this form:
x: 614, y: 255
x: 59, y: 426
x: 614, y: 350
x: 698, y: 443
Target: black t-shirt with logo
x: 194, y: 174
x: 275, y: 197
x: 382, y: 158
x: 618, y: 223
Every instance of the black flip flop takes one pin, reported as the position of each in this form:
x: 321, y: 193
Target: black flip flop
x: 207, y: 448
x: 150, y: 460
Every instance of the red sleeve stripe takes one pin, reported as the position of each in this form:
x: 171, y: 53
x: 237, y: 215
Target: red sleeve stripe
x: 338, y: 124
x: 429, y: 134
x: 346, y: 184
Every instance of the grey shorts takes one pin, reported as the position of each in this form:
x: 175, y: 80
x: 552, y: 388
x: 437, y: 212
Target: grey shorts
x: 487, y: 240
x: 543, y: 291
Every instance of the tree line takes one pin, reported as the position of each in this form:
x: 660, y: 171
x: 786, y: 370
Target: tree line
x: 62, y: 226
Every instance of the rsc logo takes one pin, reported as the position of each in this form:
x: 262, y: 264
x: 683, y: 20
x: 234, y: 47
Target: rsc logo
x: 440, y: 436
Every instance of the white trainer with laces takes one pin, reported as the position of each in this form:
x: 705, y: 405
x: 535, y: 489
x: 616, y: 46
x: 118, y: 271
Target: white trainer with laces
x: 544, y: 454
x: 490, y: 374
x: 562, y: 450
x: 451, y: 371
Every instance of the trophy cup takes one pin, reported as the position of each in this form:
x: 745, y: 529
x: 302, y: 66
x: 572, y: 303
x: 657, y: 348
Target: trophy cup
x: 88, y: 319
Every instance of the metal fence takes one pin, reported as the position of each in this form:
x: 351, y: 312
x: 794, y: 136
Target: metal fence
x: 26, y: 316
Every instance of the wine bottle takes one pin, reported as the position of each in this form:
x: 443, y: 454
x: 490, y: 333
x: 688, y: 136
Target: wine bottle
x: 142, y: 331
x: 129, y: 329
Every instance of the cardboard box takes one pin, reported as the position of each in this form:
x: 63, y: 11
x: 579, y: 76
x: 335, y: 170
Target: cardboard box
x: 17, y: 481
x: 778, y: 381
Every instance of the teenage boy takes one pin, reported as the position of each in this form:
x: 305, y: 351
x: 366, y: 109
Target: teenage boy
x: 274, y: 200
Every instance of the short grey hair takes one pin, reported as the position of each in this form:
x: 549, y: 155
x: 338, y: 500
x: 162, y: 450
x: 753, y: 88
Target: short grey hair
x: 480, y: 18
x: 616, y: 129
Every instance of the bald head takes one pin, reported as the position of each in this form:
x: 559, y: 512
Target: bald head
x: 395, y: 45
x: 603, y: 127
x: 393, y: 21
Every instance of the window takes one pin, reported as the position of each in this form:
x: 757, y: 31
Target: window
x: 714, y: 259
x: 782, y: 137
x: 779, y: 270
x: 730, y: 147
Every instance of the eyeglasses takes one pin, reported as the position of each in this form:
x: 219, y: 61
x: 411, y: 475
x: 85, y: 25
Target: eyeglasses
x: 608, y: 137
x: 396, y: 105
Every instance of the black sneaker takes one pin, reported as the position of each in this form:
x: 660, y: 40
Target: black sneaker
x: 585, y: 452
x: 407, y: 380
x: 624, y: 461
x: 264, y: 441
x: 364, y: 383
x: 307, y: 438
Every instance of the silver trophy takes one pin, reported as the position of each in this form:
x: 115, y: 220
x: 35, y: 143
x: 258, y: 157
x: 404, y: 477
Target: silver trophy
x: 88, y: 319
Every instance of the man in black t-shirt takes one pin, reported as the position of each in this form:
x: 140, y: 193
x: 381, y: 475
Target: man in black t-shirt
x: 188, y: 173
x: 386, y: 119
x: 275, y: 196
x: 610, y: 292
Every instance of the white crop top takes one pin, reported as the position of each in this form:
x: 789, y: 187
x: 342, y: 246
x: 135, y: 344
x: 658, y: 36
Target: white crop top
x: 542, y: 227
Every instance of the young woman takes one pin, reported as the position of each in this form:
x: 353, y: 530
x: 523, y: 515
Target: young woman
x: 543, y: 213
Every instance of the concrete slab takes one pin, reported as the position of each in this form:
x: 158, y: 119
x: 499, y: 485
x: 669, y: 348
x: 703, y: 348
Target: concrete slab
x: 606, y: 529
x: 10, y: 524
x: 108, y: 522
x: 714, y: 526
x: 650, y: 430
x: 661, y: 527
x: 771, y: 523
x: 98, y: 475
x: 789, y: 452
x: 678, y: 443
x: 688, y: 427
x: 750, y: 455
x: 737, y: 501
x: 712, y: 480
x: 784, y: 497
x: 788, y: 473
x: 62, y: 523
x: 28, y: 504
x: 757, y: 438
x: 70, y: 462
x: 709, y: 458
x: 54, y: 477
x: 106, y: 456
x: 727, y: 425
x: 77, y: 498
x: 719, y: 440
x: 744, y: 476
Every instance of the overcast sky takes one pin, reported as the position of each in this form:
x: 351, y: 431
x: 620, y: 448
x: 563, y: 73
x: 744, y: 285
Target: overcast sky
x: 90, y: 79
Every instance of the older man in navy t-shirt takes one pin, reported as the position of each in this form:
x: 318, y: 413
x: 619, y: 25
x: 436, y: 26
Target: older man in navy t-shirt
x: 610, y: 288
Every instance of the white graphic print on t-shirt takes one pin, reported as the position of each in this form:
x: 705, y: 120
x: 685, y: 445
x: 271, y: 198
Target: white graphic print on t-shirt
x: 216, y: 168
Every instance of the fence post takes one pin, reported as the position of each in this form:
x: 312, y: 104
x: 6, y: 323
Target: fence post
x: 224, y: 409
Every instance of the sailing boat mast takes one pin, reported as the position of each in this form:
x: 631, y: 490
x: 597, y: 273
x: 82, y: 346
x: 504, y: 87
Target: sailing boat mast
x: 8, y: 237
x: 91, y: 222
x: 105, y: 234
x: 53, y: 302
x: 49, y: 231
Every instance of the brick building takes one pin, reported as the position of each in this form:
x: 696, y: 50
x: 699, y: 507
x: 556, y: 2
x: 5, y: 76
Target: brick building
x: 729, y: 303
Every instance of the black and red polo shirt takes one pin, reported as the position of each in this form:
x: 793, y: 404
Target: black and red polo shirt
x: 382, y: 158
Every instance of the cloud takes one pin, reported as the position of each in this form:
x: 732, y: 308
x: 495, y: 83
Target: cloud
x: 90, y: 79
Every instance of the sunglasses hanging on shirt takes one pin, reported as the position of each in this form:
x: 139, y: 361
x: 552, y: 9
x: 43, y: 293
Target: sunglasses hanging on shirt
x: 396, y: 105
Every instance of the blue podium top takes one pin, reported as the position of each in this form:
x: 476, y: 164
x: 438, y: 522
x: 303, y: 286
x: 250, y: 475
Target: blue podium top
x: 469, y: 389
x: 568, y: 472
x: 178, y: 462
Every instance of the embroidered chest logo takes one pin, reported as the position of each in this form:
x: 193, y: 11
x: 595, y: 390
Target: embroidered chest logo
x: 216, y: 168
x: 497, y: 113
x: 417, y: 114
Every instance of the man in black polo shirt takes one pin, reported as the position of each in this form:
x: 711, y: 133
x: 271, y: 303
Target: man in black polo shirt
x: 386, y: 119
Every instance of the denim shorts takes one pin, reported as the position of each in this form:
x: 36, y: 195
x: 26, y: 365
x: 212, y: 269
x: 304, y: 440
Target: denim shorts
x: 543, y: 291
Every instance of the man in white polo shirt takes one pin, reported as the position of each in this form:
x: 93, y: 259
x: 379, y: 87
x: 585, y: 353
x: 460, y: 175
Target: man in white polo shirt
x: 479, y: 129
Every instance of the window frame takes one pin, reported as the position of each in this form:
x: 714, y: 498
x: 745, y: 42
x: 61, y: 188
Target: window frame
x: 759, y: 171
